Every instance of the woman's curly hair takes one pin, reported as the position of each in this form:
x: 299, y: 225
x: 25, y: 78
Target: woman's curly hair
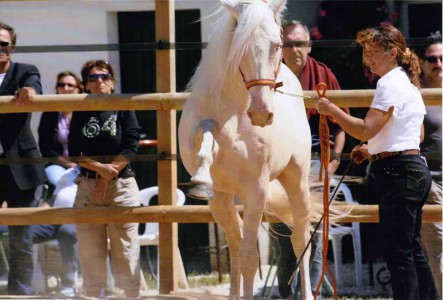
x: 390, y: 37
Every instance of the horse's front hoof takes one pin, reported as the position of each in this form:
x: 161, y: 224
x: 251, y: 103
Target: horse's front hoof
x: 200, y: 191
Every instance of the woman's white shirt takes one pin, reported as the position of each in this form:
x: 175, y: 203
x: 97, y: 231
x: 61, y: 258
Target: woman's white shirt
x: 402, y: 131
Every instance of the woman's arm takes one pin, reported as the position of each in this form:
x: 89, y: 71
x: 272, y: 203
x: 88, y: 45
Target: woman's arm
x: 362, y: 129
x: 107, y: 171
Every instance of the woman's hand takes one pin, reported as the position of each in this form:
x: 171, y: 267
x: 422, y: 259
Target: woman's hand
x: 323, y: 105
x: 360, y: 153
x: 108, y: 171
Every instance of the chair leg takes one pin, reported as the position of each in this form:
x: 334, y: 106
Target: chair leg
x: 338, y: 261
x: 143, y: 284
x: 111, y: 282
x: 3, y: 257
x: 358, y: 260
x: 182, y: 279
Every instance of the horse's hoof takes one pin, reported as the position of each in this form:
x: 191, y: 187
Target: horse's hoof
x: 200, y: 191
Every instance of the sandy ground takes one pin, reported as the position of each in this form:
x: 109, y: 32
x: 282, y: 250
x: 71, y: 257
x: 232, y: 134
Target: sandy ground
x: 270, y: 291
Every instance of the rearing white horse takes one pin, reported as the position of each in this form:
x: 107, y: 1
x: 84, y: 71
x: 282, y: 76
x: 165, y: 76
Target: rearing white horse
x: 238, y: 137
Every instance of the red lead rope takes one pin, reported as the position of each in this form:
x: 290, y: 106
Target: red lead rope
x: 324, y: 165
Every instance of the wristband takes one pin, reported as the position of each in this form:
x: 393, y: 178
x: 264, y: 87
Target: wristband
x: 336, y: 156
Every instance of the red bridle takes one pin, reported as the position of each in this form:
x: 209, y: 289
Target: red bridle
x: 269, y: 82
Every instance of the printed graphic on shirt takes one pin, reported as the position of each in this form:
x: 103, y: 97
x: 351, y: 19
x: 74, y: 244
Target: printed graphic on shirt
x: 92, y: 127
x: 110, y: 126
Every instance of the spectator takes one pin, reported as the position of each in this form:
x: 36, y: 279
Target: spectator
x: 296, y: 49
x: 399, y: 177
x: 54, y: 129
x: 104, y: 141
x: 53, y: 142
x: 18, y: 181
x: 430, y: 61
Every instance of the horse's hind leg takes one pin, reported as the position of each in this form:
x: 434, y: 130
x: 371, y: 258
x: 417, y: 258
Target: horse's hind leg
x: 299, y: 200
x: 226, y: 215
x: 201, y: 182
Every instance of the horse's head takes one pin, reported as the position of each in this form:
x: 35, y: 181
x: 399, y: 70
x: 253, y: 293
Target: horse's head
x: 256, y: 52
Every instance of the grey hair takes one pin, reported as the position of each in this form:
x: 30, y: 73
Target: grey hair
x: 288, y: 23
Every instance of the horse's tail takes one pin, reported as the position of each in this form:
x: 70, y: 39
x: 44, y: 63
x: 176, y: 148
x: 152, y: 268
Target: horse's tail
x: 278, y: 204
x: 339, y: 194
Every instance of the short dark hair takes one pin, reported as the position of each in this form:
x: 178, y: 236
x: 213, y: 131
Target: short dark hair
x: 11, y: 32
x: 432, y: 39
x: 99, y: 63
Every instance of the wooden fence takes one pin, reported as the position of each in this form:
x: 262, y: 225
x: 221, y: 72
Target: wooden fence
x: 166, y: 213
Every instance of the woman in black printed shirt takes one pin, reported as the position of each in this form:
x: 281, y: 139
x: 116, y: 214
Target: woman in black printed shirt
x: 103, y: 142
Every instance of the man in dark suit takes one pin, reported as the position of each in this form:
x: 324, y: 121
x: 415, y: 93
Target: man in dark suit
x: 18, y: 179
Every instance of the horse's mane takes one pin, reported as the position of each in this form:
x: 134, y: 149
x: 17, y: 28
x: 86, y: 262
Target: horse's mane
x: 229, y: 40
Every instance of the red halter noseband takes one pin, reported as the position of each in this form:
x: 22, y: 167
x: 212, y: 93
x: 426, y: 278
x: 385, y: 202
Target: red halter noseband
x: 269, y: 82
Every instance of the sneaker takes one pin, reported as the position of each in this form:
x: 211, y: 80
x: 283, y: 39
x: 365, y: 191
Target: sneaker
x: 67, y: 292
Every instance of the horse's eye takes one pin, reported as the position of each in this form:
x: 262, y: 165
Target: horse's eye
x: 278, y: 46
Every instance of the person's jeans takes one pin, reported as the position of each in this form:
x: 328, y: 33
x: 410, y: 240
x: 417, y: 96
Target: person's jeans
x: 286, y: 262
x: 66, y: 236
x: 315, y: 268
x: 401, y: 185
x: 21, y: 266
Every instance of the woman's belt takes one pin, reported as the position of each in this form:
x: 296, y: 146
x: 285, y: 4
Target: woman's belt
x: 386, y: 154
x: 125, y: 173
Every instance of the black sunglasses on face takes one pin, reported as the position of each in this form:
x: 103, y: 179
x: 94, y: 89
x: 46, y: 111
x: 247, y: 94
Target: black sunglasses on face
x: 433, y: 58
x: 95, y: 77
x: 69, y: 85
x: 4, y: 44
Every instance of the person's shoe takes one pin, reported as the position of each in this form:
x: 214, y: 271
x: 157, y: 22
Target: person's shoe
x: 67, y: 292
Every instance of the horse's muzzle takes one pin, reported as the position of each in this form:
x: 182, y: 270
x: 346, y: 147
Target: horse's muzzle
x: 257, y: 120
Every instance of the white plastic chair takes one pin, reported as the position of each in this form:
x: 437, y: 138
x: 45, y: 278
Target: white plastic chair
x: 151, y: 233
x: 336, y: 234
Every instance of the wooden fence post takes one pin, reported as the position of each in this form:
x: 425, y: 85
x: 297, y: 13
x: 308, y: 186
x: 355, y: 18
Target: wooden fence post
x: 167, y: 143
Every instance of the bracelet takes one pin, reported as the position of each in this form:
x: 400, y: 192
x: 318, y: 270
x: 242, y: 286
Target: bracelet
x: 336, y: 156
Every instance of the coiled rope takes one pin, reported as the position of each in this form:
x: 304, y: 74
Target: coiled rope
x: 325, y: 157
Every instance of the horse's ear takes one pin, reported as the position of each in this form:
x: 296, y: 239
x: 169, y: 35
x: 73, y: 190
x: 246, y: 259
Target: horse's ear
x: 232, y: 6
x: 277, y: 6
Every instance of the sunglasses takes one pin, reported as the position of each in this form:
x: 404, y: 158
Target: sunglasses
x: 69, y: 85
x: 297, y: 44
x: 4, y: 44
x: 95, y: 77
x: 433, y: 58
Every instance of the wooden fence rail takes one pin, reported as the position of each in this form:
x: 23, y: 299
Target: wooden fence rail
x: 175, y: 101
x: 167, y: 214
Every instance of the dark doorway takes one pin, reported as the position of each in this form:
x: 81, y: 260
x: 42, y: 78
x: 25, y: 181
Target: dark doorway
x: 424, y: 18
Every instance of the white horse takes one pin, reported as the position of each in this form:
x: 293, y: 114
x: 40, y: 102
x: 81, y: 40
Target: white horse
x: 238, y: 137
